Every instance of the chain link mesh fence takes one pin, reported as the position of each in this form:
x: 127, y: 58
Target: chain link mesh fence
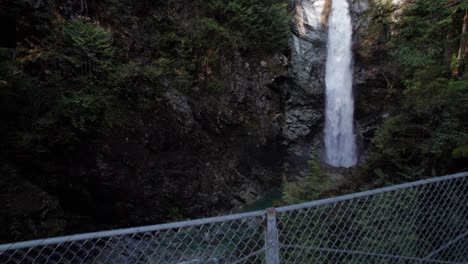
x: 420, y: 222
x: 423, y: 224
x: 239, y: 240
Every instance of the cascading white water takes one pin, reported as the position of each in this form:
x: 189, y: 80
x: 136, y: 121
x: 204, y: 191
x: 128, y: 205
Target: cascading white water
x: 340, y: 141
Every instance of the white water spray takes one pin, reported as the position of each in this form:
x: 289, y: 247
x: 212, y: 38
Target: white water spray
x: 340, y: 141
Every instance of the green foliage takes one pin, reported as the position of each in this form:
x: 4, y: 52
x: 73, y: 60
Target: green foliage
x: 460, y: 152
x: 152, y: 72
x: 51, y: 112
x: 82, y: 46
x: 432, y: 123
x: 311, y: 185
x: 83, y: 111
x: 420, y: 37
x: 92, y: 44
x: 423, y: 133
x: 258, y: 25
x: 198, y: 48
x: 377, y: 30
x: 84, y: 52
x: 212, y: 34
x: 67, y: 88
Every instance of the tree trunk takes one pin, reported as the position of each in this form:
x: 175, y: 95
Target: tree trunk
x: 448, y: 52
x: 461, y: 59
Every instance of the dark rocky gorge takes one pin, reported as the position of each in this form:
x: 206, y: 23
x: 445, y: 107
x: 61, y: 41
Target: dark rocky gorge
x: 193, y: 153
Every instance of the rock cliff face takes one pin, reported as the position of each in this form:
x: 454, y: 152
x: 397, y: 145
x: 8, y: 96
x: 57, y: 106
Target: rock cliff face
x: 194, y: 155
x: 304, y: 98
x: 197, y: 154
x: 304, y: 103
x: 27, y: 211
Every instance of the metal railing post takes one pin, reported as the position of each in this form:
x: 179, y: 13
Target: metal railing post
x: 271, y: 238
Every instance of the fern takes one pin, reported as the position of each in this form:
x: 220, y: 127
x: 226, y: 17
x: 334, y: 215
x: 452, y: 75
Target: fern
x: 311, y: 185
x: 92, y: 44
x: 259, y: 25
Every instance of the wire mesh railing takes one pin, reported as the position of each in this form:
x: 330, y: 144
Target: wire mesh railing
x: 419, y: 222
x: 423, y: 223
x: 229, y: 239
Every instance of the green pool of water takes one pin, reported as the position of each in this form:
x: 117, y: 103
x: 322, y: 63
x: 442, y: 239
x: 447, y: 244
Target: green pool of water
x: 266, y: 201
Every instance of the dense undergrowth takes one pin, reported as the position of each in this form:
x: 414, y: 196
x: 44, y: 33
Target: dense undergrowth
x: 427, y: 132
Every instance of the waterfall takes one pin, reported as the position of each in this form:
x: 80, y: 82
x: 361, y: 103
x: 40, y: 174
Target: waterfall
x: 340, y: 141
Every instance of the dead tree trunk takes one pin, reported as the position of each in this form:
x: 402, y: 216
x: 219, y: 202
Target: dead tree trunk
x: 461, y: 59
